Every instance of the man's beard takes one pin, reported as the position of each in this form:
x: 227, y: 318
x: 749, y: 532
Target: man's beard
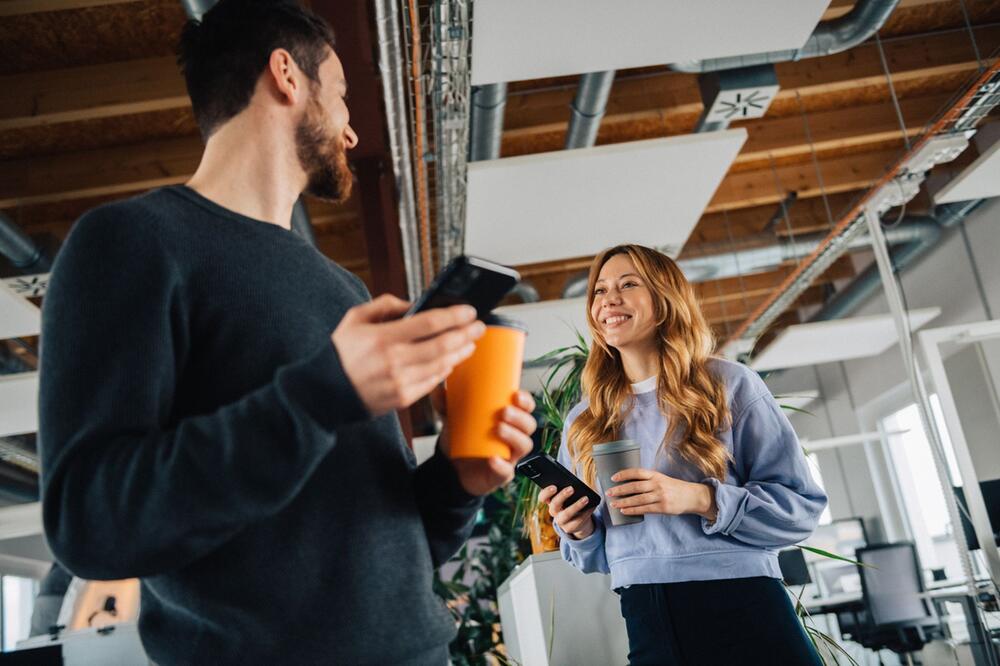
x: 322, y: 155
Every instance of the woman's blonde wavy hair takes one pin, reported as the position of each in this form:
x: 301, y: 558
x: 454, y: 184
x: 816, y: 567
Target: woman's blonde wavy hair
x: 694, y: 398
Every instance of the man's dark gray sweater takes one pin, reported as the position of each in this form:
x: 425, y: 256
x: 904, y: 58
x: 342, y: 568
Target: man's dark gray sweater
x: 198, y: 431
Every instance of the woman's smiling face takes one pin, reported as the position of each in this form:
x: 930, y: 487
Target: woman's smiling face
x: 623, y: 305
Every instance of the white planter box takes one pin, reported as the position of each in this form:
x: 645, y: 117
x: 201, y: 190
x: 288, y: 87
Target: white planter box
x: 547, y: 605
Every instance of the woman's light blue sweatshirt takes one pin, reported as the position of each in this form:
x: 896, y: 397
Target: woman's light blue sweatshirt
x: 768, y: 501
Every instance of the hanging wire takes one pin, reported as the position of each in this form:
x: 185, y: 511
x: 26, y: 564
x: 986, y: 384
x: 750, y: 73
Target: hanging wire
x: 975, y: 270
x: 780, y: 189
x: 833, y: 432
x: 722, y: 304
x: 815, y: 159
x: 736, y: 260
x: 972, y: 35
x: 892, y: 92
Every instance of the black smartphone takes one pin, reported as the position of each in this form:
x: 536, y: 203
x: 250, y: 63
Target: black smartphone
x: 545, y: 471
x: 468, y: 280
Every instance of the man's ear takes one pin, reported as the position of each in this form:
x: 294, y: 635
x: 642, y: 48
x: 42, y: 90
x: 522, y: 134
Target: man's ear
x: 285, y: 75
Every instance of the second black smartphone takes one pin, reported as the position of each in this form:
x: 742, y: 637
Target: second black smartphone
x: 468, y: 280
x: 545, y: 471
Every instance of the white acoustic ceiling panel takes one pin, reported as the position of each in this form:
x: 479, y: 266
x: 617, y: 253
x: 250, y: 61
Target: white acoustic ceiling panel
x: 19, y: 317
x: 18, y: 404
x: 836, y: 340
x: 981, y: 179
x: 551, y: 325
x: 573, y: 203
x: 515, y: 40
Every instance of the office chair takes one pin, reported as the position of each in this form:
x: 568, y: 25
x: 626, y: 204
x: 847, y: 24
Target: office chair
x: 794, y: 569
x: 899, y: 618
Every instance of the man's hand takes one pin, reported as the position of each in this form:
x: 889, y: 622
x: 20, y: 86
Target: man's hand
x: 481, y: 476
x: 394, y: 362
x: 649, y: 491
x: 575, y: 519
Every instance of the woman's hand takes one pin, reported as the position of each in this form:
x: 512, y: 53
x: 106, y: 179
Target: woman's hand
x: 649, y: 491
x: 575, y: 519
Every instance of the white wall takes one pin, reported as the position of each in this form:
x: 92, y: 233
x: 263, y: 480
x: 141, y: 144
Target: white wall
x: 942, y: 278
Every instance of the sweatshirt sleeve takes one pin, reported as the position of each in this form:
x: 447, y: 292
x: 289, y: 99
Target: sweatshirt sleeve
x: 587, y: 554
x: 448, y: 512
x: 778, y: 503
x: 127, y: 490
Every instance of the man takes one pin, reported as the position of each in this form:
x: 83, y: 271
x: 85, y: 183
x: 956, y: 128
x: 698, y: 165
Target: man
x: 217, y: 398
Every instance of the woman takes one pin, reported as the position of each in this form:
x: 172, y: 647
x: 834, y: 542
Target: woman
x: 723, y: 482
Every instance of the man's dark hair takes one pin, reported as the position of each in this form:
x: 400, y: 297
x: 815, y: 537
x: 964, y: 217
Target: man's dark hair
x: 224, y: 54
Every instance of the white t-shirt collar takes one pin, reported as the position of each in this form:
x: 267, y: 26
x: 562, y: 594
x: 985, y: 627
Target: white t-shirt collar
x: 645, y: 386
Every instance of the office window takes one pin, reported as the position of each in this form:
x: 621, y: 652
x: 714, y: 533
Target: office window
x: 18, y: 596
x: 923, y: 502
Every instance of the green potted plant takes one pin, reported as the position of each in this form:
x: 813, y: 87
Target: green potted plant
x: 561, y: 389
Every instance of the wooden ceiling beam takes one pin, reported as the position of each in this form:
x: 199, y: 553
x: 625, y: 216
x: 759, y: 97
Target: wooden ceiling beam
x: 839, y: 174
x: 92, y: 173
x: 735, y: 312
x: 85, y: 93
x: 20, y: 7
x: 804, y: 216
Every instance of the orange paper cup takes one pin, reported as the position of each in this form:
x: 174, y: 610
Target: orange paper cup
x: 480, y: 387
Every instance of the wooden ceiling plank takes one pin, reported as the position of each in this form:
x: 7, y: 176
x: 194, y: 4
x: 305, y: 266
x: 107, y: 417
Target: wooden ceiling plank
x: 840, y: 174
x: 20, y: 7
x: 85, y: 93
x: 838, y: 8
x: 118, y: 170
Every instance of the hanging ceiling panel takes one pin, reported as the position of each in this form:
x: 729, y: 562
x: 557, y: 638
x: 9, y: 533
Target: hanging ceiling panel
x: 573, y: 203
x: 18, y: 317
x: 981, y: 179
x: 514, y: 40
x: 837, y: 340
x: 18, y: 404
x: 551, y: 325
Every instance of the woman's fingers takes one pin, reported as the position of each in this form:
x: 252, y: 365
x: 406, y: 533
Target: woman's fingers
x: 547, y: 494
x: 572, y: 518
x: 635, y: 500
x: 633, y: 488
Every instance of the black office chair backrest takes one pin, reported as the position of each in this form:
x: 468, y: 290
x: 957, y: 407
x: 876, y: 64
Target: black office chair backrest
x: 892, y: 584
x: 794, y: 569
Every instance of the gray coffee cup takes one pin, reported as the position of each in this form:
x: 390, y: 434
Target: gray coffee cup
x: 611, y: 458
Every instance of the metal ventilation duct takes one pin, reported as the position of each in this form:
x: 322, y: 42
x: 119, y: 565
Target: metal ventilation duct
x: 588, y: 108
x: 851, y: 297
x: 195, y: 9
x: 18, y: 247
x: 301, y: 224
x: 834, y: 36
x: 720, y: 262
x: 735, y: 94
x: 488, y: 103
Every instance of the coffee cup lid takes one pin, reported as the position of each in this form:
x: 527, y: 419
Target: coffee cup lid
x: 493, y: 319
x: 614, y: 447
